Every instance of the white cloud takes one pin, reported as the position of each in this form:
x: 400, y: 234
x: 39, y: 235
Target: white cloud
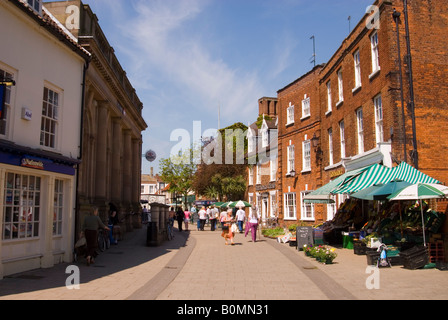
x: 165, y: 47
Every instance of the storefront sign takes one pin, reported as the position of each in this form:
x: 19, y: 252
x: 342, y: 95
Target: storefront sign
x: 269, y: 186
x: 337, y: 173
x: 29, y: 163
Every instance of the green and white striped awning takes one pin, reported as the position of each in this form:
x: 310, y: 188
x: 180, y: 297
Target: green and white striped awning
x: 374, y: 174
x: 409, y: 174
x: 377, y: 174
x: 324, y: 193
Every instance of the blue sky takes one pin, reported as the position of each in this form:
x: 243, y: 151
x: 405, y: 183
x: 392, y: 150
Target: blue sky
x: 187, y: 57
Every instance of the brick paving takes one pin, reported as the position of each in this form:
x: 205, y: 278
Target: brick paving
x: 198, y: 266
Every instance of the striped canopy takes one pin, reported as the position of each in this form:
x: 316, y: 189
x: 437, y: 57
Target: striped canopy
x: 374, y: 174
x: 378, y: 174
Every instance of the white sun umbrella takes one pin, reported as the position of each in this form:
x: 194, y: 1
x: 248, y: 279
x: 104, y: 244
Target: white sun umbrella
x: 418, y: 191
x: 439, y: 187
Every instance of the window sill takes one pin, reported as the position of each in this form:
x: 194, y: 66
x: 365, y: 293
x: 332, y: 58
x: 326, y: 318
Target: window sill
x: 305, y: 171
x: 374, y: 73
x: 356, y: 89
x: 305, y: 117
x: 289, y: 124
x: 339, y: 103
x: 328, y: 112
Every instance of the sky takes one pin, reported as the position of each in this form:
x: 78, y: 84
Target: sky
x: 197, y: 61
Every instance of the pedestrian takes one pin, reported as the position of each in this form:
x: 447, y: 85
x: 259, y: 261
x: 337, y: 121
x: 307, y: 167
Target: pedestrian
x: 213, y: 217
x: 92, y: 223
x: 187, y: 218
x: 227, y: 232
x: 171, y: 216
x: 202, y: 218
x: 145, y: 215
x: 253, y: 225
x: 240, y: 218
x: 180, y: 216
x: 112, y: 223
x: 194, y: 213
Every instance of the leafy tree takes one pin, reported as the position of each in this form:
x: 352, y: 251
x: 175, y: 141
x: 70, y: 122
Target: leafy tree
x: 178, y: 172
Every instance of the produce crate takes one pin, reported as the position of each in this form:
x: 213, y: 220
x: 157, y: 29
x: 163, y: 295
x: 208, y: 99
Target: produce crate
x: 372, y: 257
x: 415, y: 258
x: 359, y: 247
x: 436, y: 252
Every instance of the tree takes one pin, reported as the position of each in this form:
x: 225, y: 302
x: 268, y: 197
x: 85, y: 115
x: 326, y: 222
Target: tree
x: 226, y: 181
x: 178, y: 172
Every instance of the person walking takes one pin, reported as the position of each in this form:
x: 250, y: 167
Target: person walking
x: 227, y: 232
x: 253, y: 225
x: 180, y: 216
x: 202, y: 218
x: 240, y: 218
x: 187, y: 218
x: 213, y: 217
x: 90, y: 228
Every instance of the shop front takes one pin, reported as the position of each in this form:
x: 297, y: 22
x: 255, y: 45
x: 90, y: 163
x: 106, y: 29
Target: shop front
x: 369, y: 217
x: 36, y: 211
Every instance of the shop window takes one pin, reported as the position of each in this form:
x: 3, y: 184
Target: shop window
x: 58, y: 207
x: 21, y: 213
x: 307, y: 208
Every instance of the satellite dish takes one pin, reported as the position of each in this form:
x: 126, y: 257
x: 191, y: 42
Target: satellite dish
x: 150, y: 155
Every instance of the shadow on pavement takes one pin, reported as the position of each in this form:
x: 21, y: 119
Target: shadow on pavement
x: 129, y: 253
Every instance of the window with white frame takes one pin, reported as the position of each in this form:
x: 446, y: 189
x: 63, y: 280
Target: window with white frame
x: 58, y: 207
x: 290, y: 114
x: 36, y: 5
x: 379, y: 132
x: 291, y: 159
x: 7, y: 101
x: 342, y: 137
x: 251, y: 141
x: 273, y: 197
x: 357, y: 60
x: 306, y: 155
x: 273, y: 170
x: 21, y: 209
x: 251, y: 176
x: 258, y: 174
x: 306, y: 107
x: 340, y: 86
x: 49, y: 123
x: 330, y: 147
x: 375, y: 53
x: 329, y: 102
x: 265, y: 138
x: 251, y: 201
x: 307, y: 208
x: 331, y: 208
x: 360, y: 127
x: 290, y: 206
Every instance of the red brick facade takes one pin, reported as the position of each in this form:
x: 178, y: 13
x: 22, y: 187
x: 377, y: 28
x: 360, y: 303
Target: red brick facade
x: 377, y: 94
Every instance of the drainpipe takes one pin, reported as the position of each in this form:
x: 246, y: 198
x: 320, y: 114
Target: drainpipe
x: 411, y: 104
x: 396, y: 16
x: 83, y: 96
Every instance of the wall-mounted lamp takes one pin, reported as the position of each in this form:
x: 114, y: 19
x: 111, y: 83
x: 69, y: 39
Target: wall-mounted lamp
x: 316, y: 145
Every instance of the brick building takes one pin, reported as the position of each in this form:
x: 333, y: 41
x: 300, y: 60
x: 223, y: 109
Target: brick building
x: 348, y: 113
x: 262, y: 146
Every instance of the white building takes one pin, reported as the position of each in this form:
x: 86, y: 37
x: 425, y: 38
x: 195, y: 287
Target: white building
x: 39, y: 137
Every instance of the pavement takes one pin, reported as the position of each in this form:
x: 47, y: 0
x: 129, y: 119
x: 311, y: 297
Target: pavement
x: 197, y: 265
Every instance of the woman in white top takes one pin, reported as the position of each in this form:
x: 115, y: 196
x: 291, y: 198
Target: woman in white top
x: 202, y: 218
x: 253, y: 225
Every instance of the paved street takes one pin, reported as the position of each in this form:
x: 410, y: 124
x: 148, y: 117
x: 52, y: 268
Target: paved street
x: 198, y: 266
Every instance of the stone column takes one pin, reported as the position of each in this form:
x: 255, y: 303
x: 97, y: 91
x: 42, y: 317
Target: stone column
x: 116, y: 179
x: 127, y: 164
x: 101, y: 152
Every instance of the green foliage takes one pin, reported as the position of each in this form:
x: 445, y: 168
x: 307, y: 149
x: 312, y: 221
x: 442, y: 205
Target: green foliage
x: 178, y: 172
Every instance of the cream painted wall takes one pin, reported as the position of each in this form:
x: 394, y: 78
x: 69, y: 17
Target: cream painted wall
x: 38, y: 59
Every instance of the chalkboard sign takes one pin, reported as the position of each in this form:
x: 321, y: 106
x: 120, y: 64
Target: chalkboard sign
x: 304, y: 236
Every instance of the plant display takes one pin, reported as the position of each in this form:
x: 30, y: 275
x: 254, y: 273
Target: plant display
x: 322, y: 254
